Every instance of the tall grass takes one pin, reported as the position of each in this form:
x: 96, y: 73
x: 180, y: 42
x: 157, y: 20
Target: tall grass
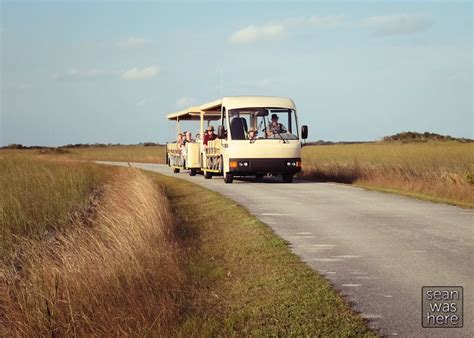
x: 38, y: 197
x: 125, y: 267
x: 119, y: 275
x: 439, y: 171
x: 152, y: 154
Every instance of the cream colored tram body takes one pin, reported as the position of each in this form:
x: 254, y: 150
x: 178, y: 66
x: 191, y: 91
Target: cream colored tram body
x: 235, y: 153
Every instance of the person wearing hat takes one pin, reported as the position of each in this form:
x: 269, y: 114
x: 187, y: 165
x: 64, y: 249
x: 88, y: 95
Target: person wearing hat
x: 209, y: 135
x: 275, y: 127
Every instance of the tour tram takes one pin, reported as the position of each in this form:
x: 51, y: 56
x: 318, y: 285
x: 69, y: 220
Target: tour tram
x: 256, y: 136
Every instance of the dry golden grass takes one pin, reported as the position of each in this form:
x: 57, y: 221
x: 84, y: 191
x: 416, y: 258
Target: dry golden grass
x: 39, y: 197
x: 437, y: 171
x: 123, y: 266
x: 152, y: 154
x: 133, y: 153
x: 117, y: 275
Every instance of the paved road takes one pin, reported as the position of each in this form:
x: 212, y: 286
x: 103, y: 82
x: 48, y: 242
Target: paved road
x: 377, y: 249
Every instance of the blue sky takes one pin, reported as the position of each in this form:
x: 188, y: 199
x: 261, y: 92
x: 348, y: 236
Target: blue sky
x: 75, y: 72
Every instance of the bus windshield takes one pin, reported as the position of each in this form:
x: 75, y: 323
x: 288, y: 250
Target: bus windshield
x: 263, y: 123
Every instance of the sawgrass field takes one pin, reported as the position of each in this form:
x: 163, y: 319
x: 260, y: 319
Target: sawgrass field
x: 88, y: 250
x: 151, y: 154
x: 91, y: 250
x: 437, y: 171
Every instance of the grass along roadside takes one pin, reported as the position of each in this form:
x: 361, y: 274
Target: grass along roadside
x: 129, y: 268
x: 39, y: 197
x: 433, y: 171
x: 437, y: 171
x: 120, y: 274
x: 244, y: 279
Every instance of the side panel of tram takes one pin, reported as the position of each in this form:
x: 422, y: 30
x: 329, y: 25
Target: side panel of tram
x: 196, y: 158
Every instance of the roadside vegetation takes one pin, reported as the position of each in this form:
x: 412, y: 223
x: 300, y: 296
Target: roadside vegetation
x: 428, y: 166
x: 244, y: 278
x: 38, y: 197
x: 115, y: 270
x: 107, y: 251
x: 440, y: 171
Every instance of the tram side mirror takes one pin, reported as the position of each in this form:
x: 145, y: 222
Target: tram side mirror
x: 304, y: 132
x: 220, y: 132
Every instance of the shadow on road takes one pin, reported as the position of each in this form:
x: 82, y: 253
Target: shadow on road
x: 270, y: 180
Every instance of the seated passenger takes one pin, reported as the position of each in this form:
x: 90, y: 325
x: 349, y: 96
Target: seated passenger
x: 209, y: 135
x: 180, y: 141
x: 275, y: 127
x: 252, y: 134
x: 188, y: 138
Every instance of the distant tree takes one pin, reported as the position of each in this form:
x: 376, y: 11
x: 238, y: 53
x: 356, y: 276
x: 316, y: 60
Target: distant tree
x: 150, y: 144
x: 14, y: 146
x: 411, y: 136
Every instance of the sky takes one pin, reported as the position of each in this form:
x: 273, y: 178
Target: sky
x: 109, y: 72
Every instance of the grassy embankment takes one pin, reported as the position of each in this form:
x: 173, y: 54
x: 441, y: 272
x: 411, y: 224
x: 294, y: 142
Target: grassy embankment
x: 244, y: 279
x: 434, y: 171
x: 40, y: 197
x: 123, y: 265
x: 91, y: 251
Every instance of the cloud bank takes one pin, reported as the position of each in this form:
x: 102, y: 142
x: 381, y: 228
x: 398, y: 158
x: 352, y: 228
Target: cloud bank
x: 254, y: 33
x: 274, y: 31
x: 398, y: 24
x: 140, y: 73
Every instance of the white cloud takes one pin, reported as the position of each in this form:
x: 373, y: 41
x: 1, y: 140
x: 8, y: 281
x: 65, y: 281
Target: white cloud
x: 185, y: 101
x: 315, y: 21
x: 140, y: 73
x: 78, y: 74
x: 133, y: 42
x: 398, y: 24
x: 254, y: 33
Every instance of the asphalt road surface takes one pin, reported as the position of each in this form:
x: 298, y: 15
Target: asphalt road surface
x: 377, y: 249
